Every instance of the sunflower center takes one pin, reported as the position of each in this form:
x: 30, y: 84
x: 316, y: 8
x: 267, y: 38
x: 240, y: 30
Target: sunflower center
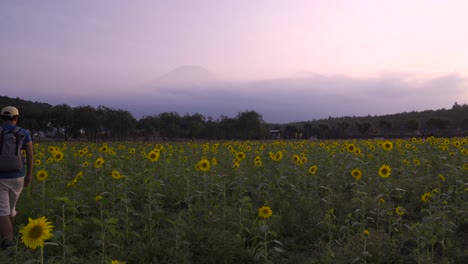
x: 35, y: 232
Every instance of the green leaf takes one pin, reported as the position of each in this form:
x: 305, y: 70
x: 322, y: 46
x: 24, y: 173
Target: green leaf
x: 75, y: 260
x: 96, y: 221
x: 277, y: 242
x: 112, y: 221
x: 279, y: 249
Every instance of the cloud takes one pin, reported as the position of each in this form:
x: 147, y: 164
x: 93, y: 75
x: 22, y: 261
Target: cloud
x: 319, y: 96
x: 285, y: 100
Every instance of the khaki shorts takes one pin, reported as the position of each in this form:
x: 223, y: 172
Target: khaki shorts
x: 10, y: 190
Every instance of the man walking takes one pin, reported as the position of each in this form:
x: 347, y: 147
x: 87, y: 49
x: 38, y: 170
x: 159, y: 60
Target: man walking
x: 14, y: 174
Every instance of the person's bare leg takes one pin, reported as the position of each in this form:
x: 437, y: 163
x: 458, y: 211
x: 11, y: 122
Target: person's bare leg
x: 6, y: 228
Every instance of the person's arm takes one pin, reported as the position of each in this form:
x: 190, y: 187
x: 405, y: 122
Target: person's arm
x: 29, y: 163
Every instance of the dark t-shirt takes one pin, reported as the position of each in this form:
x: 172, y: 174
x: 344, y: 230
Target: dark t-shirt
x: 27, y: 139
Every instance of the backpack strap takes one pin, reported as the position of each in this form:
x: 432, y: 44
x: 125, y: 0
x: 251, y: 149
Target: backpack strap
x: 2, y: 137
x: 18, y: 139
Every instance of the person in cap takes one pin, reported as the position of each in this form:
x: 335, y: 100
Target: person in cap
x: 12, y: 180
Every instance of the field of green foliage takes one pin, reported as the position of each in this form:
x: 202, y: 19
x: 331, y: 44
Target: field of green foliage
x: 355, y: 201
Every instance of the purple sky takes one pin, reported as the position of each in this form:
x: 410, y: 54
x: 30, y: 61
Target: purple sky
x: 289, y: 60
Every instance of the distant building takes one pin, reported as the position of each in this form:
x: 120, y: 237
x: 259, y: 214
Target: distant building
x: 275, y: 134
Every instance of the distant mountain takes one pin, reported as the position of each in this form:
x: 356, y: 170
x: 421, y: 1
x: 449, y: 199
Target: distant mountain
x: 187, y: 75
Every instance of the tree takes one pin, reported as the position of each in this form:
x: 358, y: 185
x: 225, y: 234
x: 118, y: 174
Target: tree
x: 438, y: 123
x: 325, y: 131
x: 148, y: 127
x: 250, y: 124
x: 307, y: 128
x: 61, y: 118
x: 192, y: 125
x: 385, y: 125
x: 117, y: 124
x: 341, y: 128
x: 363, y: 128
x: 86, y: 122
x: 412, y: 125
x: 170, y: 125
x: 290, y: 131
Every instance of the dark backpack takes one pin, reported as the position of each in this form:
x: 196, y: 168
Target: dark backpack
x: 11, y: 142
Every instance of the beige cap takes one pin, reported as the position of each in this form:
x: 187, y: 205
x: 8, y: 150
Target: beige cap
x: 10, y: 111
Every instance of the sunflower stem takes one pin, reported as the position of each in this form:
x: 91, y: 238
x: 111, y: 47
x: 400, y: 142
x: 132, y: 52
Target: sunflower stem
x: 43, y: 196
x: 42, y: 256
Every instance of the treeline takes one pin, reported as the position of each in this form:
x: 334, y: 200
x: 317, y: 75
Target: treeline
x: 443, y: 122
x: 104, y: 123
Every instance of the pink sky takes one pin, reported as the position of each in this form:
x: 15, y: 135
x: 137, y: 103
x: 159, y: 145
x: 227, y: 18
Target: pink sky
x: 108, y: 44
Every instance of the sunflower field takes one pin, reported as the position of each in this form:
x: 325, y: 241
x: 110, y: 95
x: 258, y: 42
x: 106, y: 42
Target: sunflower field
x: 341, y: 201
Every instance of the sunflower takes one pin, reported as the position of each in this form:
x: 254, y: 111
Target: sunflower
x: 42, y: 175
x: 37, y: 162
x: 103, y: 149
x: 79, y: 175
x: 85, y: 164
x: 240, y: 155
x: 387, y: 145
x: 350, y: 147
x: 384, y: 171
x: 278, y: 156
x: 296, y: 158
x: 98, y: 198
x: 400, y: 211
x: 465, y: 166
x: 58, y: 155
x: 357, y: 174
x: 441, y: 177
x: 365, y: 232
x: 72, y: 182
x: 36, y: 231
x: 265, y: 212
x: 204, y: 165
x: 357, y: 151
x: 116, y: 175
x: 313, y: 169
x: 153, y: 155
x: 98, y: 163
x: 425, y: 197
x: 258, y: 163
